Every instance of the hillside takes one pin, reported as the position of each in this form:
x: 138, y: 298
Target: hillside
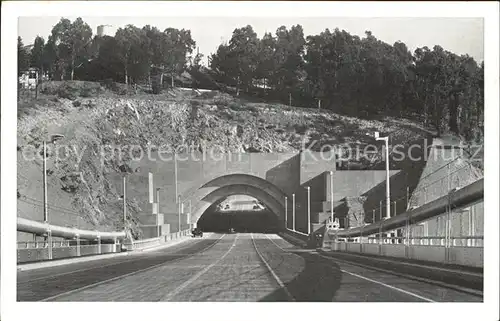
x: 91, y: 116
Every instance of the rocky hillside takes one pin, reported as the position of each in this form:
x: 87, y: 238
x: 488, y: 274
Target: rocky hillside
x: 91, y: 115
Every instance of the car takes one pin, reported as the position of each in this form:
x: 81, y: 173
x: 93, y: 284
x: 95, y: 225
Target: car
x: 231, y: 231
x: 197, y: 232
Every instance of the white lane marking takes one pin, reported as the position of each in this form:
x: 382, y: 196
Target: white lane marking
x: 417, y: 265
x: 128, y: 274
x: 280, y: 283
x: 410, y: 277
x: 381, y: 283
x: 98, y: 267
x: 388, y: 286
x: 195, y: 277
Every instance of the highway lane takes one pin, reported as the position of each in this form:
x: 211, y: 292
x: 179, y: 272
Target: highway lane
x: 39, y: 284
x: 248, y: 267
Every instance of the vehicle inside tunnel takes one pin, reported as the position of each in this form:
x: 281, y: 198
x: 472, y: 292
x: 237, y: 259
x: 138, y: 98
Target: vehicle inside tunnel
x: 239, y: 214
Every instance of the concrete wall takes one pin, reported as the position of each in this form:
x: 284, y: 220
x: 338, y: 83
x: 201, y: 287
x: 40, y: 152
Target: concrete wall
x: 351, y: 183
x: 198, y: 175
x: 459, y: 255
x: 33, y: 255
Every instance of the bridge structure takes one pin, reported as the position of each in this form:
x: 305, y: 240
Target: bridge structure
x: 435, y: 241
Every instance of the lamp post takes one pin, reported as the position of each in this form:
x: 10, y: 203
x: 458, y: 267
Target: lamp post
x: 331, y: 195
x: 53, y: 139
x: 158, y: 211
x: 179, y: 210
x: 124, y: 202
x: 293, y: 211
x: 387, y: 175
x: 286, y: 212
x: 308, y: 209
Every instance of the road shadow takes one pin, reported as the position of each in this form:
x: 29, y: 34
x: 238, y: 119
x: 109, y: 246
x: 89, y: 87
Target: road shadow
x: 318, y: 282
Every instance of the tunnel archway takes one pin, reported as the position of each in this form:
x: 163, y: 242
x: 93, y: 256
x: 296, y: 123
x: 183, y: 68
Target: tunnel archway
x: 238, y: 184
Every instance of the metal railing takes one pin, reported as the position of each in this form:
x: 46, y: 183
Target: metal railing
x: 465, y: 196
x: 39, y: 228
x: 155, y: 241
x: 463, y: 175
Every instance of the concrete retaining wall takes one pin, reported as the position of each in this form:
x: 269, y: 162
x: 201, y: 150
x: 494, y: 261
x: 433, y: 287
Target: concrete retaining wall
x: 42, y: 254
x: 465, y: 256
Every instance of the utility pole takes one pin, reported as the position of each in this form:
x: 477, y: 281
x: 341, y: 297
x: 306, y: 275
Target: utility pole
x: 179, y: 210
x: 158, y: 211
x: 308, y: 210
x: 124, y: 202
x: 45, y: 205
x: 331, y: 195
x: 286, y: 212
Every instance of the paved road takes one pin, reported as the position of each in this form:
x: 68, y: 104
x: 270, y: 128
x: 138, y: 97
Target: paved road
x: 236, y: 267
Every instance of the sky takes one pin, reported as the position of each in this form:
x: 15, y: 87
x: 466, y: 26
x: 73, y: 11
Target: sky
x: 458, y: 35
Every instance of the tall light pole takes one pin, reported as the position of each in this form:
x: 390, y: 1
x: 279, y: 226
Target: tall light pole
x: 124, y: 202
x: 387, y: 176
x: 53, y: 139
x: 308, y: 209
x: 286, y: 212
x: 179, y: 210
x: 331, y: 195
x: 188, y: 218
x: 293, y: 211
x: 158, y: 211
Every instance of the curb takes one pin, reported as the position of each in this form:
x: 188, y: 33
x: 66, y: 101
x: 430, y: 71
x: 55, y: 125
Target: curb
x: 90, y: 258
x: 165, y: 245
x: 293, y: 239
x: 471, y: 284
x: 45, y: 264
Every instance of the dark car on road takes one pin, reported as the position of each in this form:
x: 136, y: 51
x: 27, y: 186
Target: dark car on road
x: 197, y: 232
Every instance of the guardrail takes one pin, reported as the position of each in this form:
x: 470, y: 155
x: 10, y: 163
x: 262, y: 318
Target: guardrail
x: 43, y: 253
x: 457, y: 198
x: 34, y: 227
x: 155, y: 241
x: 465, y: 250
x: 298, y: 232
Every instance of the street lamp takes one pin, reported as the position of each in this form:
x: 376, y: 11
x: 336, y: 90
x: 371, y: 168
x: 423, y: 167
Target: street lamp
x: 331, y: 195
x: 53, y: 139
x: 286, y: 212
x: 387, y: 176
x: 179, y: 210
x: 158, y: 211
x: 293, y: 211
x: 308, y: 209
x: 124, y: 202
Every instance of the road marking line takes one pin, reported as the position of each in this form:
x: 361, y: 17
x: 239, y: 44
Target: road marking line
x: 280, y: 283
x: 96, y: 267
x: 128, y: 274
x: 389, y: 286
x: 381, y: 283
x: 414, y: 264
x: 411, y: 277
x: 195, y: 277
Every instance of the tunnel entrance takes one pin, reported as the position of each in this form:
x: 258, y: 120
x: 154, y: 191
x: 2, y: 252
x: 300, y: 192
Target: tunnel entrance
x: 241, y: 213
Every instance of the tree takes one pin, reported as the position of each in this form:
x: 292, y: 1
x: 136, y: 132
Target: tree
x: 177, y: 46
x: 288, y: 61
x: 133, y: 52
x: 22, y: 57
x: 70, y: 44
x: 37, y: 54
x: 265, y: 67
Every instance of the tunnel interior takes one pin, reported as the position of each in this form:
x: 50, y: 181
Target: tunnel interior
x: 242, y: 213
